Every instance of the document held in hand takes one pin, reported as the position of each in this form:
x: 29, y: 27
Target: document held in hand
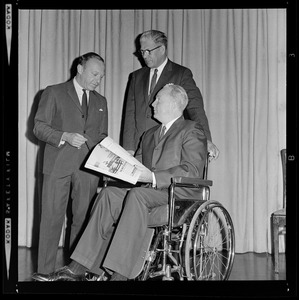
x: 111, y: 159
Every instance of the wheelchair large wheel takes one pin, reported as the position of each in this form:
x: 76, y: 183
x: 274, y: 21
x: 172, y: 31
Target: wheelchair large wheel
x: 210, y: 243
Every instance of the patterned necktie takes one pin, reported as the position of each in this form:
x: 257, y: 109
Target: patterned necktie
x: 84, y: 103
x: 153, y: 82
x: 162, y: 132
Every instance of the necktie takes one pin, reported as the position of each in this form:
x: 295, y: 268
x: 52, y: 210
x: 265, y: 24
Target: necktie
x: 84, y: 103
x: 162, y: 132
x: 153, y: 82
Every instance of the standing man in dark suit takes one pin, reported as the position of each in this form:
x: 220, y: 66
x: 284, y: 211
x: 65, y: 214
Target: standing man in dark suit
x: 138, y: 115
x: 113, y: 238
x: 71, y: 119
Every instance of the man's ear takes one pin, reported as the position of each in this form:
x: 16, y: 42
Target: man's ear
x: 173, y: 106
x: 80, y: 69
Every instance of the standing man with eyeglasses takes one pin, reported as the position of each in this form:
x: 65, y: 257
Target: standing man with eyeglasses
x: 147, y: 81
x: 71, y: 119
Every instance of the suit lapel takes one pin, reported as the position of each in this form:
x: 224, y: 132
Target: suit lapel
x: 91, y: 105
x: 172, y: 132
x: 173, y: 127
x: 72, y: 93
x: 145, y: 81
x: 156, y: 135
x: 163, y: 79
x: 168, y: 132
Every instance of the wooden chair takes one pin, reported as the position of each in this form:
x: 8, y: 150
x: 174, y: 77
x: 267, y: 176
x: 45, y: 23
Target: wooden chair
x: 279, y: 217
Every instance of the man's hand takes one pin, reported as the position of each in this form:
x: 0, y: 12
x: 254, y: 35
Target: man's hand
x: 145, y: 176
x: 132, y: 152
x: 74, y: 139
x: 213, y: 151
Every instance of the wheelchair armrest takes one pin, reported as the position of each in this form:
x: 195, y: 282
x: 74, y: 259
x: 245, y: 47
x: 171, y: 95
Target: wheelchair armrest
x: 109, y: 181
x: 187, y: 182
x: 182, y: 181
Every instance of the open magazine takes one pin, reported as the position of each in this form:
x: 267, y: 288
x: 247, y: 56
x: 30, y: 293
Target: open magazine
x: 109, y: 158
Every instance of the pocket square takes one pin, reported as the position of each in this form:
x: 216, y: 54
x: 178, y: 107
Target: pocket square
x: 100, y: 109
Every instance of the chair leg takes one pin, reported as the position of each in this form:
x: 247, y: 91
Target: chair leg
x: 276, y: 247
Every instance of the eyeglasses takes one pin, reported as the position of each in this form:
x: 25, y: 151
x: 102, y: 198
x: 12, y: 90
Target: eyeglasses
x: 147, y: 51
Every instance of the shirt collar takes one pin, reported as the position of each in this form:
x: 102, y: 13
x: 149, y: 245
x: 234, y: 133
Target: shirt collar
x: 79, y: 88
x: 160, y: 68
x: 168, y: 125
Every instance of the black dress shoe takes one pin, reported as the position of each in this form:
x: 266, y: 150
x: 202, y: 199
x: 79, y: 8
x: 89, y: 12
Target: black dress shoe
x: 62, y: 274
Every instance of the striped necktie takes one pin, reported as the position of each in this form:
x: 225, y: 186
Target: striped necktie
x: 153, y: 82
x: 162, y: 132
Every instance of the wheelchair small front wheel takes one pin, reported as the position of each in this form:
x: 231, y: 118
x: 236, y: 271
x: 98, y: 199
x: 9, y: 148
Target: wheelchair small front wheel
x: 210, y: 243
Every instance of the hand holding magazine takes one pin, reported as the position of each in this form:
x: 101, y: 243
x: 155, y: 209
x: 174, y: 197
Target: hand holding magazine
x: 111, y: 159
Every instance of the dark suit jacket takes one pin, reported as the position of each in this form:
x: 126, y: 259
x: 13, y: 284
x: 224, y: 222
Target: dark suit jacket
x: 60, y: 111
x: 138, y: 109
x: 181, y: 152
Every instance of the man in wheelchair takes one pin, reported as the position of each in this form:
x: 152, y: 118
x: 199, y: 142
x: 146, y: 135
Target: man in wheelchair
x: 114, y: 236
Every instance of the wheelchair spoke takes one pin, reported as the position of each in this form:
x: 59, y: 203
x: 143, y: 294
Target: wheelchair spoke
x: 213, y: 265
x: 200, y: 249
x: 208, y: 252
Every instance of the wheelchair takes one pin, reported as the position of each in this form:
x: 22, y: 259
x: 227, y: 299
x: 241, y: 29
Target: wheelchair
x: 187, y: 239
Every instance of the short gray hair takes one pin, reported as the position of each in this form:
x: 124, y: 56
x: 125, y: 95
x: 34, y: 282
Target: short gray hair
x: 157, y: 36
x: 179, y: 94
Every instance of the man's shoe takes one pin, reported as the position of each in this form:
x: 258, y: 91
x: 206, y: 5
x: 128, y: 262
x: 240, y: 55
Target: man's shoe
x: 118, y: 277
x: 62, y: 274
x: 95, y: 277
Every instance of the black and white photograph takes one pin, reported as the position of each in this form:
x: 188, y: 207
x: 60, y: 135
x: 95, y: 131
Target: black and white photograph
x: 195, y: 111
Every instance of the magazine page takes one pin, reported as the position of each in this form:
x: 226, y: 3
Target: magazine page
x: 114, y: 147
x: 105, y: 161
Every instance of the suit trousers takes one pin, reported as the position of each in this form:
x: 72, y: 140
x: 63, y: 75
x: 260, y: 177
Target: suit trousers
x: 113, y: 238
x: 55, y: 197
